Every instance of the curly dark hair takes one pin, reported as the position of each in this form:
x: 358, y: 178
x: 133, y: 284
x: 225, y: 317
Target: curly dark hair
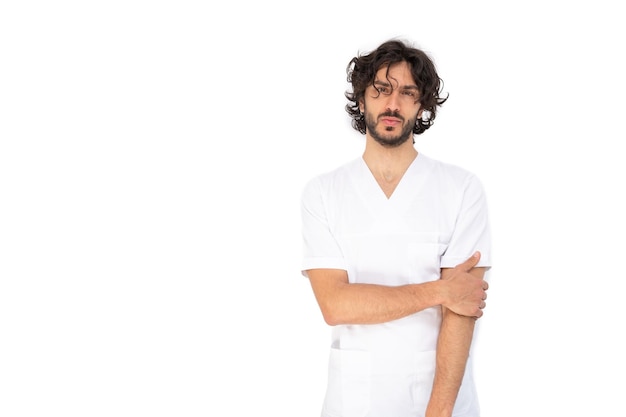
x: 362, y: 71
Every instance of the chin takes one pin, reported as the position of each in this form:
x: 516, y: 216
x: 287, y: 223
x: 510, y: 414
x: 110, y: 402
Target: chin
x: 390, y: 142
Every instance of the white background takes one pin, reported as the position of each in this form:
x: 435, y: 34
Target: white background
x: 151, y: 160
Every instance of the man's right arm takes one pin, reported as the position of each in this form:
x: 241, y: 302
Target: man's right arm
x: 344, y: 303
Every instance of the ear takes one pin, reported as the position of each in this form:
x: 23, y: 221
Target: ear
x: 424, y: 115
x: 361, y: 106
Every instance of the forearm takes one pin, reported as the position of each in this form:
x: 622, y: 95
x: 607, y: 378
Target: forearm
x: 372, y: 304
x: 343, y: 302
x: 453, y: 346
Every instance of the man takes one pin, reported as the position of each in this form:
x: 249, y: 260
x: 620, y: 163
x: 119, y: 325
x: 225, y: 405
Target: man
x: 396, y: 246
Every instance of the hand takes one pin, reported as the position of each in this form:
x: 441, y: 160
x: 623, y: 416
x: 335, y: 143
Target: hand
x: 466, y: 293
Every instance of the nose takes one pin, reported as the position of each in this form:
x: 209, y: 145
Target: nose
x: 393, y: 101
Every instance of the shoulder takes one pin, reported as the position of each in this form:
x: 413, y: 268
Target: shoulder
x: 449, y: 172
x: 333, y: 178
x: 444, y: 168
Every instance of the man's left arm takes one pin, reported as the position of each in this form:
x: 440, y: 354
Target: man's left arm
x: 453, y: 347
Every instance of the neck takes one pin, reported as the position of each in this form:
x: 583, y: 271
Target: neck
x: 388, y: 164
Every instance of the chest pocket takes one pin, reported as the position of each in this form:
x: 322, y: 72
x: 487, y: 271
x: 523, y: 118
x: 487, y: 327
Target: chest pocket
x: 424, y: 257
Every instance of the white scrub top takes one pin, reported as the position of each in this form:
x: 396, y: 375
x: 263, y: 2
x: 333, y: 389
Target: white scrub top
x: 436, y: 217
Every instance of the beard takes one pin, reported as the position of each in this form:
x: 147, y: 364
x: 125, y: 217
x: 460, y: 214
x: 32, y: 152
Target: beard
x: 388, y: 138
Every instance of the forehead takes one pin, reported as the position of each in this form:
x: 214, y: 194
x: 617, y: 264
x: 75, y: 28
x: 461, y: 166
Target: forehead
x: 398, y: 74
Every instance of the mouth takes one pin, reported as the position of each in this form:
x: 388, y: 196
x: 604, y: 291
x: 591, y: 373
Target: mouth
x: 390, y: 121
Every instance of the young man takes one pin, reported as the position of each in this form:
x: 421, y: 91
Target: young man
x: 396, y: 245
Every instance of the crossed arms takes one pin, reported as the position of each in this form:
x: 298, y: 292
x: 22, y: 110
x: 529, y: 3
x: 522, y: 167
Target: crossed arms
x: 461, y: 293
x: 462, y: 290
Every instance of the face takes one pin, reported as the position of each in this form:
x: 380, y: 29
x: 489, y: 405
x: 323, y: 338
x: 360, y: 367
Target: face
x: 391, y: 105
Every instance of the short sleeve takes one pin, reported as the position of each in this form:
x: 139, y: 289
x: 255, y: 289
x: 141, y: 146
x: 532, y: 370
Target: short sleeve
x: 320, y: 247
x: 472, y: 230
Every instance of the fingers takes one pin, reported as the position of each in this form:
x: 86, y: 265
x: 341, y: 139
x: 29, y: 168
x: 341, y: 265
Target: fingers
x: 479, y: 312
x: 471, y: 308
x: 482, y: 303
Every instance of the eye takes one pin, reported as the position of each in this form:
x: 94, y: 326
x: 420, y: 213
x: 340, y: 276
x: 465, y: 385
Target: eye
x: 410, y: 94
x: 383, y: 89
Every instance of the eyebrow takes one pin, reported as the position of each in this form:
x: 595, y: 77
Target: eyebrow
x: 403, y: 87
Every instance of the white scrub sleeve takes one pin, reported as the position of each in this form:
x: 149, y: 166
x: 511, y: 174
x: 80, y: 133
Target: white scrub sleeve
x: 320, y: 249
x: 472, y: 230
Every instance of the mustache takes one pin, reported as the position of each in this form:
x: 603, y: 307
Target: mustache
x: 391, y: 114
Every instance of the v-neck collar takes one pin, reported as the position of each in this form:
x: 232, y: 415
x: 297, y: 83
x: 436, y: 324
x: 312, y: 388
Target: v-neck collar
x: 406, y: 186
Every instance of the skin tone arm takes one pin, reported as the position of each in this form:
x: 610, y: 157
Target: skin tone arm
x: 453, y: 346
x: 345, y: 303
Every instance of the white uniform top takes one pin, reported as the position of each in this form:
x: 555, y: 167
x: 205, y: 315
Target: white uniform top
x: 436, y: 217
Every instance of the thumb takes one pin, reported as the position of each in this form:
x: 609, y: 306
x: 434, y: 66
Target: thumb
x: 471, y: 262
